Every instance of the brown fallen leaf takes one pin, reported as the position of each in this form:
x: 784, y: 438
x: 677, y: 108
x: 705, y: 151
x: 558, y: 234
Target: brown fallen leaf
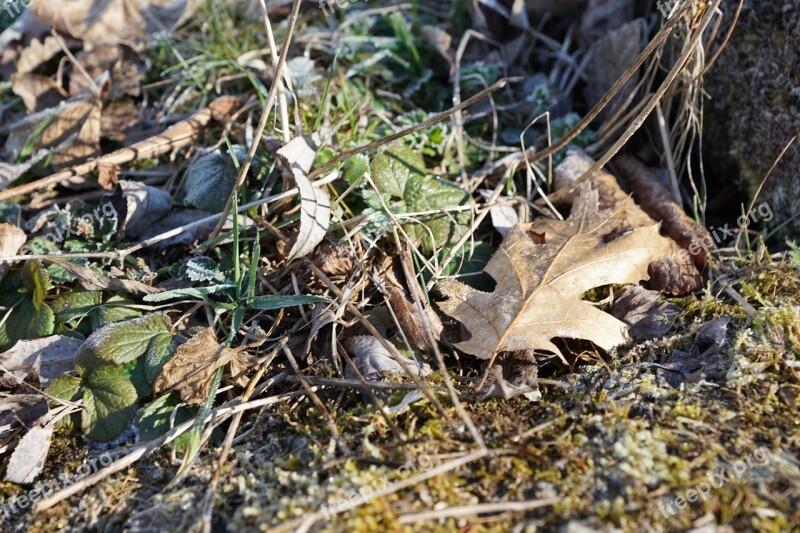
x: 37, y: 92
x: 54, y: 355
x: 28, y: 458
x: 611, y: 56
x: 675, y: 272
x: 374, y: 361
x: 137, y: 206
x: 122, y: 62
x: 315, y: 202
x: 514, y: 374
x: 37, y: 53
x: 71, y: 132
x: 542, y: 270
x: 20, y: 411
x: 656, y: 199
x: 101, y: 21
x: 191, y: 369
x: 706, y: 359
x: 11, y: 240
x: 92, y: 281
x: 647, y: 317
x: 420, y: 324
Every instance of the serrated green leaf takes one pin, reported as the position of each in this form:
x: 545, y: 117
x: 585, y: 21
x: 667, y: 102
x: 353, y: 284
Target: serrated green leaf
x: 392, y: 169
x: 137, y: 375
x: 423, y: 194
x: 269, y: 303
x: 113, y: 310
x: 193, y: 292
x: 122, y: 342
x: 109, y: 403
x: 72, y: 307
x: 355, y: 167
x: 28, y: 319
x: 155, y: 418
x: 67, y: 388
x: 203, y: 269
x: 161, y: 350
x: 36, y: 280
x: 86, y: 360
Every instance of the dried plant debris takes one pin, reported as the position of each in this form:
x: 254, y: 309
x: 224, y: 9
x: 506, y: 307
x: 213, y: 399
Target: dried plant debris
x: 315, y: 202
x: 52, y: 355
x: 418, y: 321
x: 674, y: 273
x: 375, y: 362
x: 706, y: 361
x: 542, y: 270
x: 191, y: 371
x: 646, y: 315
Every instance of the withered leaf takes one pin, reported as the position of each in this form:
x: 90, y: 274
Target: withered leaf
x: 191, y: 369
x: 374, y: 361
x: 647, y: 317
x: 92, y: 281
x: 674, y: 273
x: 420, y: 323
x: 542, y: 270
x: 315, y: 202
x: 657, y: 201
x: 27, y: 460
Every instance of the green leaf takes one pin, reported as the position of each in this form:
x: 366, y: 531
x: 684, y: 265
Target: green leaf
x: 114, y: 310
x: 35, y: 280
x: 136, y: 373
x: 161, y: 350
x: 28, y: 319
x: 155, y: 418
x: 424, y: 194
x: 269, y: 303
x: 193, y: 292
x: 122, y: 342
x: 203, y: 269
x: 355, y: 167
x: 72, y: 307
x: 109, y: 403
x: 86, y: 360
x: 392, y: 169
x: 67, y: 388
x: 210, y: 179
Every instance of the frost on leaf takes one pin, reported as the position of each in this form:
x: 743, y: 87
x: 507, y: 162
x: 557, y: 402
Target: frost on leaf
x: 542, y: 270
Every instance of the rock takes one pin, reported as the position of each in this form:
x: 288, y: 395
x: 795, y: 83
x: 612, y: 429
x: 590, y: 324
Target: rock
x: 754, y: 106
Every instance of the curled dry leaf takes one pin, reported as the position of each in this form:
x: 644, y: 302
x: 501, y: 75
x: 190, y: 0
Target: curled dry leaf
x: 705, y: 360
x: 674, y: 272
x: 54, y: 354
x: 513, y: 374
x: 11, y: 240
x: 137, y: 206
x: 419, y: 322
x: 647, y: 317
x: 36, y: 53
x: 92, y: 281
x: 28, y: 458
x: 542, y: 270
x: 191, y: 369
x: 123, y: 63
x: 101, y: 21
x: 37, y: 92
x: 374, y: 361
x: 657, y: 201
x: 611, y: 57
x: 315, y: 203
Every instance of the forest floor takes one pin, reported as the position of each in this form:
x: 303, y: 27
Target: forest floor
x: 434, y: 311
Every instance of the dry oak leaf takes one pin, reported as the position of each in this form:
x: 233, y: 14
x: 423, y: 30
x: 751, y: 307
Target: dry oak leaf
x: 191, y: 369
x: 542, y: 269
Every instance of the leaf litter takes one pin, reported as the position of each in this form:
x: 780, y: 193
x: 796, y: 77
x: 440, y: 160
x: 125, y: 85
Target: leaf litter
x: 359, y: 238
